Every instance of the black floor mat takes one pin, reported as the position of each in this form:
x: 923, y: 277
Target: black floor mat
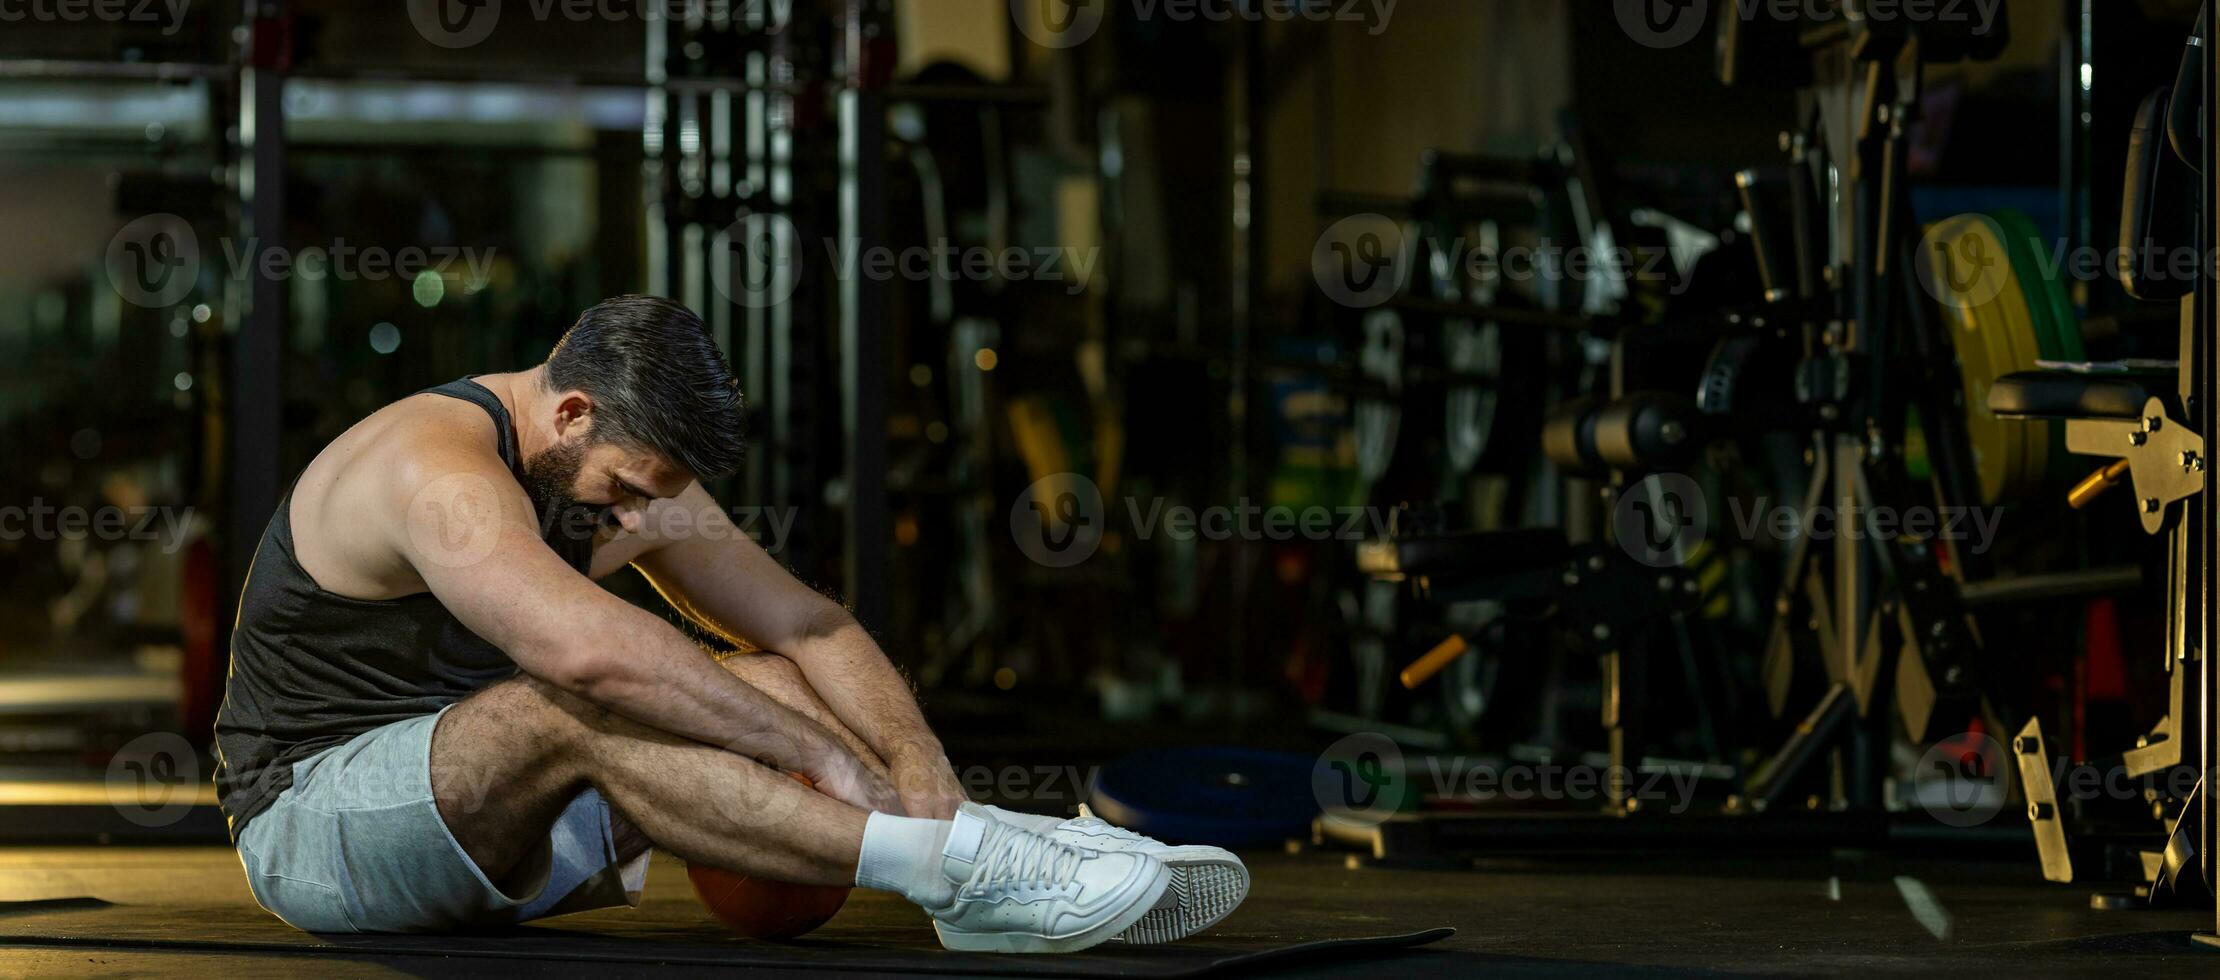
x: 870, y: 935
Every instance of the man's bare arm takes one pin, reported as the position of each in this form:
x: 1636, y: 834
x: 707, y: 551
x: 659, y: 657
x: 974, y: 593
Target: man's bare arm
x: 720, y: 578
x: 469, y: 531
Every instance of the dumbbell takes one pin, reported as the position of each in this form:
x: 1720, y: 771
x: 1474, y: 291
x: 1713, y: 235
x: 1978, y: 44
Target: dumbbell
x: 1642, y: 431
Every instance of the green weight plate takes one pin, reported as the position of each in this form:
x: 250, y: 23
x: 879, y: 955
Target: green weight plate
x: 1917, y: 464
x: 2047, y: 294
x: 2057, y: 325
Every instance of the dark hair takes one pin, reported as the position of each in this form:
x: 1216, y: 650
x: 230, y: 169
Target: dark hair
x: 658, y: 382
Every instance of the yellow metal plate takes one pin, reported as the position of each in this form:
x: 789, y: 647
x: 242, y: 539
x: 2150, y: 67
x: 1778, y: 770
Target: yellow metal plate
x: 1968, y: 271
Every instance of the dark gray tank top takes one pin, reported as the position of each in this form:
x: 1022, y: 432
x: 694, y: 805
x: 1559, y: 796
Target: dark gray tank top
x: 311, y: 669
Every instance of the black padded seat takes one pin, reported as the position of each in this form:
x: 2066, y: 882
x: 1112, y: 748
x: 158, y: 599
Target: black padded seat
x: 2066, y: 395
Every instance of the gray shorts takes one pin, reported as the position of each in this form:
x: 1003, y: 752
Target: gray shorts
x: 357, y: 845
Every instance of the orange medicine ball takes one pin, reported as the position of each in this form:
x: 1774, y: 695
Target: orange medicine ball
x: 763, y: 909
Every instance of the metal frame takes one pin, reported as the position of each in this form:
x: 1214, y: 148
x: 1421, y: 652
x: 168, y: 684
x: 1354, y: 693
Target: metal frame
x: 2201, y: 364
x: 863, y: 328
x: 725, y: 148
x: 256, y: 386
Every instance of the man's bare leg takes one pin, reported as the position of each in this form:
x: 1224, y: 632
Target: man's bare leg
x: 507, y: 760
x: 784, y: 682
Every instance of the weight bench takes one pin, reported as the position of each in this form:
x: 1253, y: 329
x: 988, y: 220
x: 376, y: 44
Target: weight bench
x: 1604, y: 599
x: 2133, y: 419
x: 2137, y: 416
x: 2136, y: 420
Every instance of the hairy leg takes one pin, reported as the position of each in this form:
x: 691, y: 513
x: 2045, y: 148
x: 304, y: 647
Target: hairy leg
x: 782, y: 679
x: 507, y: 760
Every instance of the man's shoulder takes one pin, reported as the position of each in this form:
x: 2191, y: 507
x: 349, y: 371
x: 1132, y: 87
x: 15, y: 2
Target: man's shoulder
x: 430, y: 424
x: 407, y: 444
x: 355, y: 503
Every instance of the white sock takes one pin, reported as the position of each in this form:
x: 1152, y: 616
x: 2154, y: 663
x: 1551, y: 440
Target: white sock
x: 903, y: 855
x: 1030, y: 821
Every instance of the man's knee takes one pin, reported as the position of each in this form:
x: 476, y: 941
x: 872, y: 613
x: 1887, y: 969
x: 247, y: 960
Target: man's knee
x: 769, y: 672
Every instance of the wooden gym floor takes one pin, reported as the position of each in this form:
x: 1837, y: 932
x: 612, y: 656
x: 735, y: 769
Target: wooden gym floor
x: 1838, y: 914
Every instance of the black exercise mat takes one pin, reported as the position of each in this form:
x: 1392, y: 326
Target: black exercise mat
x: 872, y: 934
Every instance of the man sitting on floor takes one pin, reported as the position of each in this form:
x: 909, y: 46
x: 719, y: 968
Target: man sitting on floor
x: 436, y: 720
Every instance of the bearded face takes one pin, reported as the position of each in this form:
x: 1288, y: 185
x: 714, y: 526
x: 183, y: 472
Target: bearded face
x: 551, y: 481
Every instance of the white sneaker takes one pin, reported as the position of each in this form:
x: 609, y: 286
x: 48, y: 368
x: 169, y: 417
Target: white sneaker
x: 1021, y: 892
x: 1208, y: 883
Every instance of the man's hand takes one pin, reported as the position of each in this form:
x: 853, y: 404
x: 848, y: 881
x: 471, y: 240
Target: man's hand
x: 926, y: 782
x: 842, y: 776
x: 724, y: 581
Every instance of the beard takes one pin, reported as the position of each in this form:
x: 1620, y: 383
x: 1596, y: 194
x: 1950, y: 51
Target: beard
x: 567, y: 526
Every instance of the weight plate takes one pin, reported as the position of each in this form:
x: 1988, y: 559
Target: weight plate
x: 2015, y: 235
x: 2021, y: 330
x: 1379, y: 419
x: 2011, y: 309
x: 1470, y: 348
x: 1958, y: 262
x: 2057, y: 328
x: 2023, y: 246
x: 2046, y: 291
x: 1917, y: 464
x: 1223, y: 796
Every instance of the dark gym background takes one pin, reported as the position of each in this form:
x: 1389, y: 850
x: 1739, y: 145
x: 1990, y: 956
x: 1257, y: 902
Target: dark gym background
x: 905, y: 427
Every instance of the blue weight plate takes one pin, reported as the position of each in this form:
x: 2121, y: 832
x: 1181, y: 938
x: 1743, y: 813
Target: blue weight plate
x: 1223, y: 796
